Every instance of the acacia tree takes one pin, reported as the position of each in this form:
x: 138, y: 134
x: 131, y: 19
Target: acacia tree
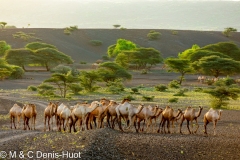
x: 216, y: 66
x: 62, y: 81
x: 4, y: 47
x: 110, y: 71
x: 187, y: 53
x: 89, y: 79
x: 3, y: 24
x: 116, y: 26
x: 121, y: 45
x: 38, y: 45
x: 19, y: 57
x: 49, y: 57
x: 227, y: 31
x: 141, y: 57
x: 181, y: 66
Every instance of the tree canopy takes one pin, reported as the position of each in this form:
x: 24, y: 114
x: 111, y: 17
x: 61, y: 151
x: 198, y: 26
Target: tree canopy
x: 51, y: 57
x: 227, y: 31
x: 181, y: 66
x: 216, y: 66
x: 19, y: 57
x: 121, y: 45
x: 110, y: 71
x: 141, y: 57
x: 38, y: 45
x: 4, y: 47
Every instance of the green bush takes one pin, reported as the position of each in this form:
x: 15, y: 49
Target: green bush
x: 46, y: 90
x: 130, y: 97
x: 96, y: 42
x: 174, y: 32
x: 198, y: 89
x: 105, y: 57
x: 225, y: 81
x: 161, y: 88
x: 115, y: 86
x: 75, y: 88
x: 32, y: 88
x: 17, y: 72
x: 147, y: 98
x: 174, y: 84
x: 134, y: 90
x: 180, y: 93
x: 173, y: 100
x: 82, y: 62
x: 67, y: 31
x: 144, y: 71
x: 61, y: 69
x: 153, y: 35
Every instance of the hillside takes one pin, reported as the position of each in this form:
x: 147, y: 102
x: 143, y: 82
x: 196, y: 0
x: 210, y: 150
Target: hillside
x: 77, y: 44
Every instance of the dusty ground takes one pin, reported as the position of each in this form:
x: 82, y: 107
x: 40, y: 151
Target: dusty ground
x: 107, y: 143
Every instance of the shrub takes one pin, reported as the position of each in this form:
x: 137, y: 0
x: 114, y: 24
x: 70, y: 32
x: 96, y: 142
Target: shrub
x: 96, y: 42
x: 174, y: 32
x: 32, y: 88
x: 180, y: 93
x: 61, y: 69
x: 198, y: 89
x: 173, y: 100
x: 174, y: 84
x: 128, y: 97
x: 67, y: 31
x: 209, y: 82
x: 153, y: 35
x: 134, y: 90
x: 17, y: 73
x: 45, y: 90
x: 122, y: 28
x: 161, y: 88
x: 115, y: 86
x: 75, y: 88
x: 225, y: 81
x: 147, y: 98
x: 144, y: 71
x: 105, y: 57
x: 82, y: 62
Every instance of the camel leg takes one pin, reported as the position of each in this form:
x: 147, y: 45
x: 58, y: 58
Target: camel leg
x: 49, y: 126
x: 197, y: 126
x: 63, y: 122
x: 18, y: 120
x: 119, y: 123
x: 214, y: 127
x: 143, y: 125
x: 159, y: 126
x: 34, y: 122
x: 205, y: 126
x: 24, y: 122
x: 168, y: 126
x: 45, y: 119
x: 180, y: 125
x: 73, y: 124
x: 163, y: 126
x: 11, y: 121
x: 28, y: 124
x: 52, y: 122
x: 113, y: 122
x: 188, y: 127
x: 108, y: 121
x: 13, y: 118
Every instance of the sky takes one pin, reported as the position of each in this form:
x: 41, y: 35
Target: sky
x: 162, y: 14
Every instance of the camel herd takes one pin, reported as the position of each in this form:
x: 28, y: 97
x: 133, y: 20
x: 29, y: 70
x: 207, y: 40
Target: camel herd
x: 94, y: 114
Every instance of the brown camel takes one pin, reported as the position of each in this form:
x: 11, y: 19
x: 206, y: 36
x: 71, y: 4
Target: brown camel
x: 145, y: 116
x: 98, y: 114
x: 29, y: 111
x: 168, y: 115
x: 15, y: 112
x: 190, y: 115
x: 211, y: 116
x: 49, y: 112
x: 111, y: 113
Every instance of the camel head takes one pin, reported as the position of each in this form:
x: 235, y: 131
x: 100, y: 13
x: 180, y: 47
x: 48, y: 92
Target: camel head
x: 104, y: 101
x: 199, y: 112
x: 126, y: 100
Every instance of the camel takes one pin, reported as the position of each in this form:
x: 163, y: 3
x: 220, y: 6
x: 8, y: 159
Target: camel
x: 15, y: 112
x: 98, y: 114
x: 211, y: 116
x: 29, y: 111
x: 49, y: 112
x: 168, y: 115
x: 160, y: 110
x: 111, y: 113
x: 145, y: 115
x: 80, y: 112
x: 57, y: 116
x: 128, y: 111
x: 65, y: 116
x: 190, y: 115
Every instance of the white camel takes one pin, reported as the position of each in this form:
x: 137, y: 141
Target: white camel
x: 212, y: 116
x: 15, y: 112
x: 80, y: 112
x: 129, y: 112
x: 65, y: 117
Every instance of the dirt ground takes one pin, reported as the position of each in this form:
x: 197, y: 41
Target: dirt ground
x: 109, y: 143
